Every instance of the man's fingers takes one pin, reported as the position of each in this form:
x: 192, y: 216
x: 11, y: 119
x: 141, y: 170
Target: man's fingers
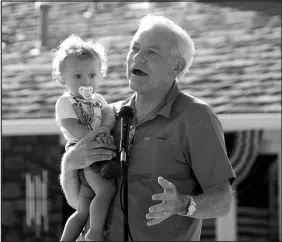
x: 96, y: 145
x: 99, y: 153
x: 164, y: 197
x: 96, y: 158
x: 166, y: 185
x: 157, y: 215
x: 157, y: 220
x: 159, y: 207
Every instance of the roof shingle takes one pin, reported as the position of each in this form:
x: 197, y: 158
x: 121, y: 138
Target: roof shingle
x: 236, y: 69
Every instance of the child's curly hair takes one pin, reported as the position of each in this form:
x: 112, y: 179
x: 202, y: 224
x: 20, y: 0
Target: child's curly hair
x: 76, y: 46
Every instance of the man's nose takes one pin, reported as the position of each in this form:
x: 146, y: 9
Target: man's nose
x: 139, y: 57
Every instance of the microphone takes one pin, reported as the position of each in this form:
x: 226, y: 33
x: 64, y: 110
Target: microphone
x: 125, y: 115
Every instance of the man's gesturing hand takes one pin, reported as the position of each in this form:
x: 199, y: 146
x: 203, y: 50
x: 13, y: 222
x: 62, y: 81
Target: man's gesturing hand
x: 88, y: 151
x: 173, y: 203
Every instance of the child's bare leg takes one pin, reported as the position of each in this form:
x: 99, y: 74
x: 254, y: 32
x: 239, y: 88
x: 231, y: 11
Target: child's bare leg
x: 104, y: 190
x: 77, y: 220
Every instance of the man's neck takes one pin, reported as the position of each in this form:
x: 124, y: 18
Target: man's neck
x: 146, y: 103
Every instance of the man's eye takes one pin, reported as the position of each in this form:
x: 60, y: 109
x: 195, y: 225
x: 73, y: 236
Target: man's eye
x: 78, y: 76
x: 134, y: 48
x: 152, y: 52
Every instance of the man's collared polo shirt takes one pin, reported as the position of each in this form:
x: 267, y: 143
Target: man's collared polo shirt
x: 182, y: 141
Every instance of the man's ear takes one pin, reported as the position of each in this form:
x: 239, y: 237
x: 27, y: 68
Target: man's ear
x: 179, y: 65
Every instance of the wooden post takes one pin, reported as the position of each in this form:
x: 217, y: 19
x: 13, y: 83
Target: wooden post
x: 43, y: 10
x: 89, y: 16
x: 226, y: 227
x: 92, y: 9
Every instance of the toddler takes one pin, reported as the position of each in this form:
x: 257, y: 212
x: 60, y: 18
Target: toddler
x: 80, y: 65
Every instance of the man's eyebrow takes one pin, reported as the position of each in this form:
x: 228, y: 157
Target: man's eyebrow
x: 154, y: 47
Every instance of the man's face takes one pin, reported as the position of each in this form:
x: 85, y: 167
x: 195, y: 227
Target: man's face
x: 149, y: 63
x: 77, y: 73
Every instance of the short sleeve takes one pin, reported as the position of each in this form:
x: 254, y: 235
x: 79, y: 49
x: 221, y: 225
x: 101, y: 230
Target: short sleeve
x: 101, y: 99
x: 64, y: 109
x: 208, y: 154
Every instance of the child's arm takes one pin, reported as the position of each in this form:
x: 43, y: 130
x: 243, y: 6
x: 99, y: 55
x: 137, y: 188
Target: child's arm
x: 108, y: 118
x: 67, y: 118
x: 75, y: 128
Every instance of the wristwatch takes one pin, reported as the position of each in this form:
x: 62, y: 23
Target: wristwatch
x: 192, y: 207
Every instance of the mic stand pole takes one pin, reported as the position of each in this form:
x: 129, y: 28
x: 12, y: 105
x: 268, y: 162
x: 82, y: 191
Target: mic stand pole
x: 124, y: 167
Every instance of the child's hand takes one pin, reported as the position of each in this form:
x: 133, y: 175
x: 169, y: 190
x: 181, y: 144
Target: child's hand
x: 105, y: 138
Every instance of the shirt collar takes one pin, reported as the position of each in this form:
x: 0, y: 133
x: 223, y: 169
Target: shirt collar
x: 170, y: 98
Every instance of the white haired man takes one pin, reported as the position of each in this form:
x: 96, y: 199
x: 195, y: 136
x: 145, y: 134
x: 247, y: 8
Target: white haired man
x: 179, y: 172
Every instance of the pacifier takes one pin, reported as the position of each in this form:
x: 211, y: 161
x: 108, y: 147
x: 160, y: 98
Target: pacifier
x: 86, y: 91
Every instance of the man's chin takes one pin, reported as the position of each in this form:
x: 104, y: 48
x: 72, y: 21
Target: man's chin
x: 133, y: 86
x: 138, y: 85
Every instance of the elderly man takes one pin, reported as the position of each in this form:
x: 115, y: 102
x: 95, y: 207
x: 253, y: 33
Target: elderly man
x: 179, y: 172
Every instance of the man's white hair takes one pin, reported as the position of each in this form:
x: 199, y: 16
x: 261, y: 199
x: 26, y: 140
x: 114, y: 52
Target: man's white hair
x: 184, y: 46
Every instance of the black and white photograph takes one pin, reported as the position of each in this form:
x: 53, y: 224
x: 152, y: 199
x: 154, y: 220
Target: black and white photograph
x: 141, y: 121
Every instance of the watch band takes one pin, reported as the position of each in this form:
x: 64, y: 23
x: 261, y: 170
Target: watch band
x: 192, y: 207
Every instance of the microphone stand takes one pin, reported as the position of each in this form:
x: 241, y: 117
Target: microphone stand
x: 124, y: 167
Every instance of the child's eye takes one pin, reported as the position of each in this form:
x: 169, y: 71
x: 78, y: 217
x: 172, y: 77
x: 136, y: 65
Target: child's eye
x: 77, y: 76
x: 92, y: 75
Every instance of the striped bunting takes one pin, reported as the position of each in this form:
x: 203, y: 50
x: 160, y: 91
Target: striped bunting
x: 244, y: 153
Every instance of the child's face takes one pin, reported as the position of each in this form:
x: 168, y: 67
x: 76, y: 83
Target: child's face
x: 77, y: 73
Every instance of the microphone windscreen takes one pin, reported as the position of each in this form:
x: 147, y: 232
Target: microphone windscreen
x: 126, y: 112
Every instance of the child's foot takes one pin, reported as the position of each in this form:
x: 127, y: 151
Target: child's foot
x: 94, y: 235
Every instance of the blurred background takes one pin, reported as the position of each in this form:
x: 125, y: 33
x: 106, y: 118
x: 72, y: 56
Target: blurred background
x: 236, y: 69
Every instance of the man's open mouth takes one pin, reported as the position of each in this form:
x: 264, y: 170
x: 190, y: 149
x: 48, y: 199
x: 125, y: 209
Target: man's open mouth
x: 138, y: 72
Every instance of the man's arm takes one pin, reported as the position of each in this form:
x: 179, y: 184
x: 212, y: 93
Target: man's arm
x: 213, y: 203
x: 80, y: 156
x: 69, y: 180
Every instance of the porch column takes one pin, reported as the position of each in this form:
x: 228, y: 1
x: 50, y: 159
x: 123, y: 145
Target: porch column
x: 226, y: 227
x: 272, y: 145
x: 280, y: 195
